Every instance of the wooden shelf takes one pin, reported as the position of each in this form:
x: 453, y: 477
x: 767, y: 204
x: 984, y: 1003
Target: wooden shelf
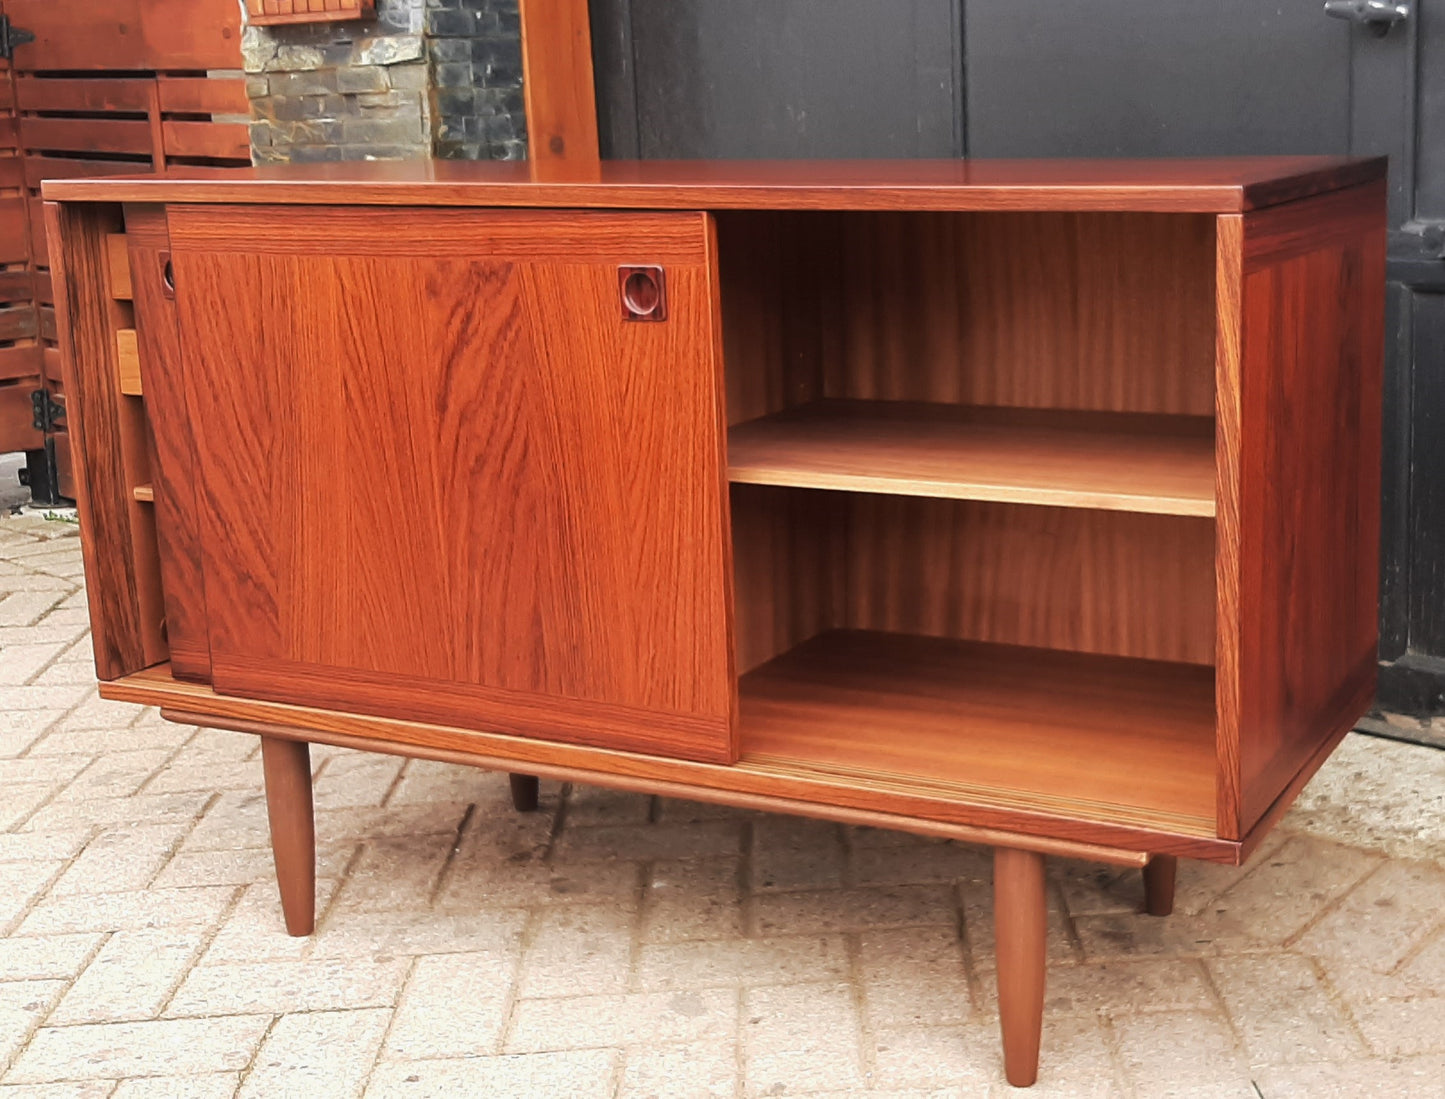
x: 1113, y: 461
x: 1078, y: 735
x: 146, y: 494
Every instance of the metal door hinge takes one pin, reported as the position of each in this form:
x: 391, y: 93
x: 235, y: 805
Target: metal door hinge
x: 1378, y: 15
x: 47, y: 412
x: 12, y: 36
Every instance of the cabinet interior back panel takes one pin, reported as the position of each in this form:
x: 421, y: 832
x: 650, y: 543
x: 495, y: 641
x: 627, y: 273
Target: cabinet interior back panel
x: 1116, y: 583
x: 1099, y: 311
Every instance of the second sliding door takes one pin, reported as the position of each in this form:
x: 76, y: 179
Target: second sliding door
x: 444, y: 473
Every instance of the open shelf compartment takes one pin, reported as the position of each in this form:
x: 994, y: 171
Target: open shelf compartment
x: 1071, y: 734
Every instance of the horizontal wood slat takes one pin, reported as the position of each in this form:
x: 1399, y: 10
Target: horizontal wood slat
x: 20, y: 362
x: 203, y: 95
x: 19, y: 322
x: 86, y: 135
x: 38, y: 94
x: 16, y: 285
x: 216, y: 140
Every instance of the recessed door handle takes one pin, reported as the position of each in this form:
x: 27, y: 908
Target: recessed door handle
x: 1378, y: 15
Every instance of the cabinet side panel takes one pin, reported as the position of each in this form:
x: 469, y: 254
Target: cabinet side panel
x: 87, y: 322
x: 162, y: 376
x: 1308, y: 534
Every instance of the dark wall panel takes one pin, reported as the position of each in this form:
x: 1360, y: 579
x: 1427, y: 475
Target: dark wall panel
x: 778, y: 78
x: 1144, y: 78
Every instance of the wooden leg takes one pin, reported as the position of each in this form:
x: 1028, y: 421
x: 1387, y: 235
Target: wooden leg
x: 293, y: 828
x: 1020, y: 926
x: 1159, y: 884
x: 524, y: 793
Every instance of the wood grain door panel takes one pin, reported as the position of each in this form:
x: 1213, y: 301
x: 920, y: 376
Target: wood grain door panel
x: 442, y: 477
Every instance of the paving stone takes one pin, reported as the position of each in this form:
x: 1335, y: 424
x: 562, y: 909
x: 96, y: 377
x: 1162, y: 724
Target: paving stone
x: 800, y: 1038
x: 591, y: 805
x: 1281, y: 1009
x: 1382, y: 919
x: 140, y: 908
x: 22, y: 882
x: 23, y: 799
x: 1075, y: 1063
x: 914, y: 976
x: 1124, y: 987
x: 577, y: 1022
x: 930, y: 1057
x: 188, y: 774
x: 158, y: 1047
x: 93, y: 741
x: 51, y: 698
x: 22, y: 608
x: 427, y: 782
x: 389, y: 934
x: 118, y: 860
x: 578, y: 948
x: 255, y: 929
x: 738, y: 962
x: 1405, y: 1078
x: 21, y: 663
x: 693, y: 899
x: 281, y: 986
x: 1181, y: 1053
x: 102, y: 812
x: 208, y: 1085
x: 90, y: 1089
x: 21, y: 730
x: 1401, y: 1028
x: 322, y: 1055
x: 795, y: 853
x: 485, y: 877
x: 356, y: 780
x: 131, y: 978
x: 476, y: 988
x: 1379, y: 794
x: 48, y: 770
x: 920, y: 863
x: 701, y: 1070
x: 40, y: 957
x: 399, y: 872
x: 703, y: 839
x: 23, y: 1004
x: 577, y: 1074
x: 115, y: 774
x: 848, y: 910
x: 244, y: 866
x: 28, y: 846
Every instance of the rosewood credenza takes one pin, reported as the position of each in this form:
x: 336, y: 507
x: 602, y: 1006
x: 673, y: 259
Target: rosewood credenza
x: 1033, y: 504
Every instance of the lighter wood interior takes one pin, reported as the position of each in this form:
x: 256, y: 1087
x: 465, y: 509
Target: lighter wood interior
x: 943, y: 375
x: 1129, y: 741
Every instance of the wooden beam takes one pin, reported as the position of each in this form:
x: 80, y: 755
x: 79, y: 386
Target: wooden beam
x: 557, y: 85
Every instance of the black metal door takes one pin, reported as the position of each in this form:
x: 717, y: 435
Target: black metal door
x: 988, y: 78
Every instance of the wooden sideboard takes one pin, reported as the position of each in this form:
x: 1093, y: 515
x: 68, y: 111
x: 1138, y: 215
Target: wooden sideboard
x: 1033, y: 504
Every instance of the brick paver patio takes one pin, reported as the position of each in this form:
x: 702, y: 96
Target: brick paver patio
x: 619, y: 945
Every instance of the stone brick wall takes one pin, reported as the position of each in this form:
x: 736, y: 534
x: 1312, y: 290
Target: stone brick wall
x: 476, y: 79
x: 424, y: 78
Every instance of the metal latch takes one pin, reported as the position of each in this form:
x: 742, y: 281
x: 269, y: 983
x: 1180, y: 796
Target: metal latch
x: 1378, y: 15
x: 12, y: 36
x: 46, y: 411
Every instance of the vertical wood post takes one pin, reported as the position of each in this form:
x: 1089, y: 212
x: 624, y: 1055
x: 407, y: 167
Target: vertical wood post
x: 1020, y: 931
x: 557, y: 87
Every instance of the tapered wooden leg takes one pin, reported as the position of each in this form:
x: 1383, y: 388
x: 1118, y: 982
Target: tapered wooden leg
x: 1020, y: 926
x: 293, y: 828
x: 524, y: 793
x: 1159, y: 884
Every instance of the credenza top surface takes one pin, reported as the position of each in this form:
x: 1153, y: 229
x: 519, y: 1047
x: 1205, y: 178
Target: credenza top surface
x: 1207, y: 186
